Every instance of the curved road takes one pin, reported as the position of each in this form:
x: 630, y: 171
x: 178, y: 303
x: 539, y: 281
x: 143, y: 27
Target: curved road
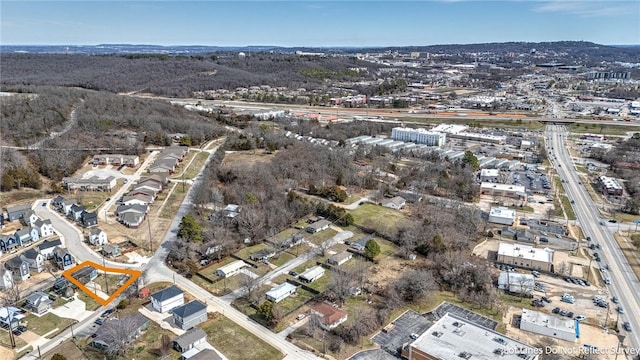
x: 624, y: 283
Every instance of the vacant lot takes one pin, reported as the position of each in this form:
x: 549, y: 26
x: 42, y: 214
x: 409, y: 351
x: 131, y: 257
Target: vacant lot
x: 69, y: 350
x: 245, y: 158
x: 377, y: 217
x: 47, y: 322
x: 196, y: 165
x: 235, y: 342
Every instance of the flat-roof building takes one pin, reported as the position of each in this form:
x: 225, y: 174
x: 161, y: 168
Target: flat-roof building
x: 502, y: 215
x: 550, y: 325
x: 525, y: 256
x: 610, y: 185
x: 488, y: 175
x: 516, y: 283
x: 419, y: 136
x: 506, y: 190
x: 454, y: 338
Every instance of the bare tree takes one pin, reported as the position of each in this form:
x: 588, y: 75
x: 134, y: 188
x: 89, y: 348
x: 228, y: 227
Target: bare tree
x: 165, y: 346
x: 340, y: 285
x: 118, y: 334
x: 414, y: 286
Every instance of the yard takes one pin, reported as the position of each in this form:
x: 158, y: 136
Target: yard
x: 226, y: 336
x: 282, y: 258
x: 89, y: 302
x: 68, y: 349
x: 377, y: 217
x: 295, y: 300
x: 147, y: 346
x: 322, y: 236
x: 244, y: 253
x: 210, y: 271
x: 223, y: 286
x: 107, y: 282
x: 6, y: 341
x: 44, y: 324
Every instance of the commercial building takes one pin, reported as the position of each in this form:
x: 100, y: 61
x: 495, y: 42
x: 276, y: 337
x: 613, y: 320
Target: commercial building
x: 502, y: 215
x: 610, y: 186
x: 506, y: 190
x: 550, y: 325
x: 419, y: 136
x: 459, y: 132
x: 526, y: 256
x: 454, y: 338
x: 489, y: 175
x: 516, y: 283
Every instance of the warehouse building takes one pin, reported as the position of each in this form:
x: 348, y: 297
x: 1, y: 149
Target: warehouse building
x: 550, y: 325
x: 502, y: 215
x: 526, y: 256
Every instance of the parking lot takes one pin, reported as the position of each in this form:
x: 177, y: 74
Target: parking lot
x: 408, y: 323
x: 469, y: 315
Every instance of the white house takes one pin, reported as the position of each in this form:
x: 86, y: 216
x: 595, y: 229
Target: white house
x: 312, y: 274
x: 280, y: 292
x: 230, y: 269
x: 47, y: 247
x: 6, y: 279
x: 34, y: 259
x: 97, y: 237
x: 167, y: 299
x: 44, y: 227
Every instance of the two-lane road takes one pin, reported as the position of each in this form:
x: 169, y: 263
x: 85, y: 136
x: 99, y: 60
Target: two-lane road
x: 625, y: 284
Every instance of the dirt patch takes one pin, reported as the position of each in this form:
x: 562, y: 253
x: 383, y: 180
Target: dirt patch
x: 390, y: 268
x: 6, y: 353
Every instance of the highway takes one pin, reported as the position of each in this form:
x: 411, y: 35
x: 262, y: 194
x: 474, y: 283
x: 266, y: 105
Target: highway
x: 624, y: 284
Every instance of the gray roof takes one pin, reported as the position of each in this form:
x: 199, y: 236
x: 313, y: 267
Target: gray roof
x: 30, y: 254
x: 23, y: 232
x: 14, y: 263
x: 206, y: 354
x: 167, y: 293
x: 18, y: 208
x: 190, y: 337
x: 189, y: 309
x: 95, y: 231
x: 49, y: 244
x: 38, y: 297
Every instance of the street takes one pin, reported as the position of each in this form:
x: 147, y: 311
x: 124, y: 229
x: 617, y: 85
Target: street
x: 624, y: 282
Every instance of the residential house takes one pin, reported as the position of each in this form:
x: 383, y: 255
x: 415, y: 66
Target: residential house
x: 93, y: 183
x: 57, y: 202
x: 75, y: 212
x: 164, y: 165
x: 16, y: 212
x: 148, y: 188
x: 167, y: 299
x: 38, y: 303
x: 410, y: 197
x: 29, y: 218
x: 63, y: 258
x: 318, y: 226
x: 163, y: 179
x: 24, y: 236
x: 231, y: 269
x: 396, y: 202
x: 133, y: 325
x: 189, y: 340
x: 6, y: 279
x: 340, y: 258
x: 89, y: 219
x: 66, y: 205
x: 19, y: 268
x: 204, y: 354
x: 34, y: 259
x: 138, y: 199
x: 190, y: 314
x: 97, y: 237
x: 361, y: 243
x: 312, y: 274
x: 329, y: 316
x: 47, y: 247
x: 45, y: 228
x: 280, y: 292
x: 11, y: 317
x: 8, y: 243
x: 131, y: 215
x: 262, y: 255
x: 111, y: 250
x: 85, y: 275
x: 292, y: 241
x: 143, y: 191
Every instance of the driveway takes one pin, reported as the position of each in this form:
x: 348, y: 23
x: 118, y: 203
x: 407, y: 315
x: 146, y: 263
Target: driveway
x: 75, y: 309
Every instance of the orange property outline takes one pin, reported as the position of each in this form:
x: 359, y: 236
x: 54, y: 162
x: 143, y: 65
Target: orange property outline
x: 135, y: 274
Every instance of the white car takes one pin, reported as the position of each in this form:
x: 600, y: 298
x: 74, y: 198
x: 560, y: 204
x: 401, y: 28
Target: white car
x: 301, y: 316
x: 580, y: 317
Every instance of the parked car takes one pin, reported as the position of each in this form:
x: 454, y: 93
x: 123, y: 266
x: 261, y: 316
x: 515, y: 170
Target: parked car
x: 607, y: 281
x: 544, y: 240
x: 17, y: 332
x: 563, y: 312
x: 99, y: 321
x: 556, y: 310
x: 293, y: 273
x: 301, y: 316
x: 580, y: 317
x: 535, y: 273
x: 414, y: 336
x: 613, y: 221
x: 570, y: 314
x: 22, y: 328
x: 546, y: 299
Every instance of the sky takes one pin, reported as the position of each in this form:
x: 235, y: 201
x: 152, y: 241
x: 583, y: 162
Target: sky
x: 316, y: 23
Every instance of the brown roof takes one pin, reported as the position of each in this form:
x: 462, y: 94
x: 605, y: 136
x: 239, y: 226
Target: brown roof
x: 329, y: 313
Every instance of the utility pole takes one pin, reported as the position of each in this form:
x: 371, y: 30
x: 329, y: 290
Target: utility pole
x: 149, y: 226
x: 106, y: 277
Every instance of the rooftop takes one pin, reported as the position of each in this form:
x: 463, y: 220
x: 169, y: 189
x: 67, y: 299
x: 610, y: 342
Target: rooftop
x: 503, y: 187
x: 525, y: 252
x: 189, y: 309
x: 329, y: 313
x: 280, y: 290
x: 453, y: 338
x: 167, y: 293
x: 503, y: 212
x: 549, y: 321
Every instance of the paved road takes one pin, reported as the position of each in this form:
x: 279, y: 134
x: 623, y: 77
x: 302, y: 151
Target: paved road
x: 625, y: 284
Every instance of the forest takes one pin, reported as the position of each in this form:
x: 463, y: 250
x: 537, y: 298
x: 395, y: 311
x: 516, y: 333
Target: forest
x: 175, y: 76
x: 81, y: 119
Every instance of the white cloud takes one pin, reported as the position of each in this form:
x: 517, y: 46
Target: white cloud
x: 589, y: 8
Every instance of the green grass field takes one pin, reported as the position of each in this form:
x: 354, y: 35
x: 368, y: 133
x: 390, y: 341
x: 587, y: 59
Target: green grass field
x: 236, y: 343
x: 568, y: 208
x: 377, y: 217
x: 210, y: 272
x: 244, y: 253
x: 47, y: 322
